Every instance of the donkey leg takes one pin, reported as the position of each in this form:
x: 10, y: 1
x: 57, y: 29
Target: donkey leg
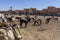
x: 26, y: 25
x: 21, y: 24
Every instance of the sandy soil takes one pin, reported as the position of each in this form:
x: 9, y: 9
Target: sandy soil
x: 50, y: 31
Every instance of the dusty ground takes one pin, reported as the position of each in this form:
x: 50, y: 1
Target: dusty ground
x: 51, y: 31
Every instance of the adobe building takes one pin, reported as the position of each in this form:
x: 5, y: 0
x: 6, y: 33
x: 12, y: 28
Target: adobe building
x: 26, y: 11
x: 49, y: 11
x: 32, y: 11
x: 29, y: 11
x: 58, y: 11
x: 19, y: 12
x: 2, y: 12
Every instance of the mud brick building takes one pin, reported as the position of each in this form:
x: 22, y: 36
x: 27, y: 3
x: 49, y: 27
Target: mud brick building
x: 2, y: 12
x: 19, y: 12
x: 26, y: 11
x: 32, y: 11
x: 49, y: 11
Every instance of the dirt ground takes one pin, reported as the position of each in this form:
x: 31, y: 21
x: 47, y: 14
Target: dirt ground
x: 50, y: 31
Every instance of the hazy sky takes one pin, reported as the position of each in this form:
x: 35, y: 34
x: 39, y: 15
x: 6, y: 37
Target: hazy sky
x: 20, y: 4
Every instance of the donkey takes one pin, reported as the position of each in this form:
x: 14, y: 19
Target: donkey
x: 23, y: 20
x: 38, y: 21
x: 47, y: 20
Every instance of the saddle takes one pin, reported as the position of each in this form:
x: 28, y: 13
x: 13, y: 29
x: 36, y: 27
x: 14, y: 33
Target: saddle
x: 2, y: 24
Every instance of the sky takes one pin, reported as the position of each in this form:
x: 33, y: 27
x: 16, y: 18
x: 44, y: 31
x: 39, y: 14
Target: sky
x: 21, y: 4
